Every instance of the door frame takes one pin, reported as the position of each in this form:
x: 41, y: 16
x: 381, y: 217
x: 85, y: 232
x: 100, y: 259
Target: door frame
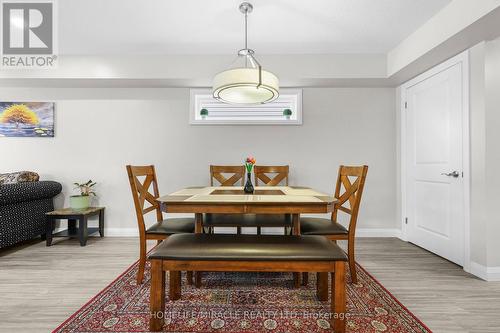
x: 463, y: 59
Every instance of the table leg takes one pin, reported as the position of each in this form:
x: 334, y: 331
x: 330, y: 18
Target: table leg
x: 48, y: 230
x: 82, y: 230
x: 71, y: 227
x: 101, y: 223
x: 198, y: 229
x: 296, y: 232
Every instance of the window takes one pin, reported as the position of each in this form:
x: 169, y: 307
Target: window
x: 285, y: 110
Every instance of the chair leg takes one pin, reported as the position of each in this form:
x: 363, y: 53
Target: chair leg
x: 238, y: 230
x: 259, y: 230
x: 197, y: 279
x: 296, y: 280
x: 352, y: 262
x: 142, y: 260
x: 305, y: 278
x: 189, y: 278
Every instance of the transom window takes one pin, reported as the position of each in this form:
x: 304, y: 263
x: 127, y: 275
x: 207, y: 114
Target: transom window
x: 285, y: 110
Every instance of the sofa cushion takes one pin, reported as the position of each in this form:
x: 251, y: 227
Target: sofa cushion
x: 18, y: 177
x: 28, y: 191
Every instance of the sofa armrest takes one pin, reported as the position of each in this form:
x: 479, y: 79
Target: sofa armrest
x: 27, y: 191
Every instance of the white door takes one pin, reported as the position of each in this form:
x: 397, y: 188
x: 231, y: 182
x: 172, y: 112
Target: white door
x: 434, y: 163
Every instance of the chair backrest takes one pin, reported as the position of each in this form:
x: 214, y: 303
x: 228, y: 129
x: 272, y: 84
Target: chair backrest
x: 218, y: 173
x: 141, y: 193
x: 350, y: 184
x: 271, y: 175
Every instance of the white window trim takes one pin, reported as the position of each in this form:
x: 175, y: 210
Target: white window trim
x: 194, y: 121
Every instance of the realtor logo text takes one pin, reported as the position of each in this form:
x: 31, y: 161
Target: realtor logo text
x: 28, y: 35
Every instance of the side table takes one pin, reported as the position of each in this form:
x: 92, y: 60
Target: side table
x: 73, y: 215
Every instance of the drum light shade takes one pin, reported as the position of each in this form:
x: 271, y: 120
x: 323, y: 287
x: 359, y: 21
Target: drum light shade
x: 246, y: 83
x: 242, y: 86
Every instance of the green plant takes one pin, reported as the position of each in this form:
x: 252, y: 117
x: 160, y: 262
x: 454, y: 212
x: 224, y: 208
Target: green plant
x: 287, y: 112
x: 85, y: 188
x: 203, y: 112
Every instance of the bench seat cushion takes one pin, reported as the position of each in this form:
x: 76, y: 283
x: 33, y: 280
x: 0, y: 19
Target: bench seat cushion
x: 172, y: 226
x: 248, y: 248
x: 247, y: 220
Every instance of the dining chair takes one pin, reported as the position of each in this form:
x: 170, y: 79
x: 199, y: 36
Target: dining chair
x: 218, y: 172
x: 163, y: 227
x: 271, y: 175
x: 224, y: 175
x: 352, y: 180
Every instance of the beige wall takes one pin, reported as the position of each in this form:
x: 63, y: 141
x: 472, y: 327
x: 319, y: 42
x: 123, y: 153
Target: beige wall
x: 99, y: 131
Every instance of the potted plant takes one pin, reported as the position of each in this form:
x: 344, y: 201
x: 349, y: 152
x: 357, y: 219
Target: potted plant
x: 82, y: 201
x: 287, y: 113
x: 203, y: 113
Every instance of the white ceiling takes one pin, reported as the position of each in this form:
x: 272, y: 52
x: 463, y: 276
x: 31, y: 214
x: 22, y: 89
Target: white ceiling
x: 216, y: 26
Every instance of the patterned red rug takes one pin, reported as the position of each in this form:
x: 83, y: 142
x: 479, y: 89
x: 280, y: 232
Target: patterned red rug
x: 242, y: 302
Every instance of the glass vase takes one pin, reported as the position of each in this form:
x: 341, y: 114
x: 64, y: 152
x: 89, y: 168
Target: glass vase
x: 248, y: 185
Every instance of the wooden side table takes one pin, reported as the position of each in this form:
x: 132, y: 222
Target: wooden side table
x: 73, y: 215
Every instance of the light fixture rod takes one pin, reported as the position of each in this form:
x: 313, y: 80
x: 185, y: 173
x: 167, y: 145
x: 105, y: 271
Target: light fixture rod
x: 246, y: 30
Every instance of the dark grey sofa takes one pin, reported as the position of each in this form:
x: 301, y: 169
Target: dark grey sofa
x: 22, y: 210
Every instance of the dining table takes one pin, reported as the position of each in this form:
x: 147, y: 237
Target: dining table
x: 293, y: 200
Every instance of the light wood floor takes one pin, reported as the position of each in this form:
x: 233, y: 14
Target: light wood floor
x: 42, y: 286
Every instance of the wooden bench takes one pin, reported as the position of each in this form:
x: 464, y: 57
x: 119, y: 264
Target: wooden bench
x: 245, y: 253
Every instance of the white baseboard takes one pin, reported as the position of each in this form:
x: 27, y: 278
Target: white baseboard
x: 378, y: 232
x: 121, y: 232
x: 483, y: 272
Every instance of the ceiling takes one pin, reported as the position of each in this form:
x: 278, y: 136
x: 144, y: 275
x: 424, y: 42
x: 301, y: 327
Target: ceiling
x: 158, y: 27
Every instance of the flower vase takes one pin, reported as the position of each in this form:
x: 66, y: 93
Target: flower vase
x: 248, y: 185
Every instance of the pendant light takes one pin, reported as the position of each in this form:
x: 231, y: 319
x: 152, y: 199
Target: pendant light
x: 247, y: 83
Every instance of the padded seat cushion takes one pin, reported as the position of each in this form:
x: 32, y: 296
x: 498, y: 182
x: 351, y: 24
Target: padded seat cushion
x: 248, y: 248
x: 247, y: 220
x: 172, y: 226
x: 319, y: 226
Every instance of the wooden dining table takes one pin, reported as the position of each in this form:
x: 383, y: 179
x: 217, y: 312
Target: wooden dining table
x: 293, y: 200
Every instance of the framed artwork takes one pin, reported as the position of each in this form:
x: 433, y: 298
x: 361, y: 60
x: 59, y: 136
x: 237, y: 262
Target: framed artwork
x: 27, y: 119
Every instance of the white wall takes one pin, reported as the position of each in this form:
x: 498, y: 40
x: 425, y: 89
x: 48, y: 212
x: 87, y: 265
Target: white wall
x: 99, y: 131
x: 478, y: 218
x: 492, y: 103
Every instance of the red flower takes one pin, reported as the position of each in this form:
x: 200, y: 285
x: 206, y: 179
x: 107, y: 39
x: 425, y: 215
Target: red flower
x: 250, y: 159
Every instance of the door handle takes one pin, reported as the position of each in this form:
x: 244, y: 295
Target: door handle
x: 453, y: 174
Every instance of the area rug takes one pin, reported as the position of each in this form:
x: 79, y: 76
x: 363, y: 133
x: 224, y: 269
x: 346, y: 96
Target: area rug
x: 242, y: 302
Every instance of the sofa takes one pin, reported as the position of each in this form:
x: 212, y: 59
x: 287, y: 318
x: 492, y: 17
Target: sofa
x: 22, y: 209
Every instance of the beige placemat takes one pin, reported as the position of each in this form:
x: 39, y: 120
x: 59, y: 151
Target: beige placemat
x: 194, y: 191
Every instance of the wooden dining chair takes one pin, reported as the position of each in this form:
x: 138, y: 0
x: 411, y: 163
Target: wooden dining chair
x: 271, y: 175
x: 352, y: 180
x: 224, y: 175
x: 219, y: 172
x: 163, y: 227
